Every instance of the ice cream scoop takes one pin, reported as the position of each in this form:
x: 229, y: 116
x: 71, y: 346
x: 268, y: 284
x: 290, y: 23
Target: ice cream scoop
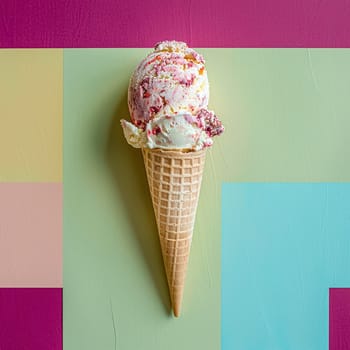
x: 168, y: 98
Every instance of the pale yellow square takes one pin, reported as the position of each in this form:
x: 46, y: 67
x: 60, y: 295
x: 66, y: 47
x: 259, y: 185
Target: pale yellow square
x: 31, y: 108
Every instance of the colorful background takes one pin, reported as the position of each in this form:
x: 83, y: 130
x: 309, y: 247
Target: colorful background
x: 68, y: 176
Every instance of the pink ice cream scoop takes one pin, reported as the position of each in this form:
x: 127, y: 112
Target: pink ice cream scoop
x: 168, y: 98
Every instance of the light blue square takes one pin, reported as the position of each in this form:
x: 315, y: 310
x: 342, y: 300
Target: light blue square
x: 283, y: 247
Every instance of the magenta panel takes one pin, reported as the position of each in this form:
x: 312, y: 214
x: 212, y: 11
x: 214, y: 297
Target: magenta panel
x: 31, y: 319
x: 205, y: 23
x: 339, y: 319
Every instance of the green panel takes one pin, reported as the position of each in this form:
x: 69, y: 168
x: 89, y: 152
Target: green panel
x: 287, y: 119
x: 115, y: 287
x: 286, y: 111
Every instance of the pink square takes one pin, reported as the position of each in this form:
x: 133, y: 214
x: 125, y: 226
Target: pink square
x: 30, y: 235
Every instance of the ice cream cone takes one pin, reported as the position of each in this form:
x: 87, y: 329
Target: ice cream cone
x: 174, y: 179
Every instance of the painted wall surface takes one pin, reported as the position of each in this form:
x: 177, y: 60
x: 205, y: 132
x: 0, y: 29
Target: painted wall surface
x: 31, y: 109
x: 286, y: 116
x: 114, y: 280
x: 339, y: 318
x: 283, y: 247
x: 31, y: 318
x: 30, y: 235
x: 205, y: 23
x: 285, y: 113
x: 31, y: 90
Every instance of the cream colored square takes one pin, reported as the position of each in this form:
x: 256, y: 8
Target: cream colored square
x: 31, y: 108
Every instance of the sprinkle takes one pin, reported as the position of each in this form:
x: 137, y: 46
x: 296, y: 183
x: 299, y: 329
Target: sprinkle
x: 156, y: 130
x: 154, y: 109
x: 140, y: 124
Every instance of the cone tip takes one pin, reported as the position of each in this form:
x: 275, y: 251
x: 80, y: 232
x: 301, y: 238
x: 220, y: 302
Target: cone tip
x: 176, y: 310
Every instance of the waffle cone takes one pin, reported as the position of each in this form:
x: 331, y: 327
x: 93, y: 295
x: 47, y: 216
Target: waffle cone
x: 174, y: 179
